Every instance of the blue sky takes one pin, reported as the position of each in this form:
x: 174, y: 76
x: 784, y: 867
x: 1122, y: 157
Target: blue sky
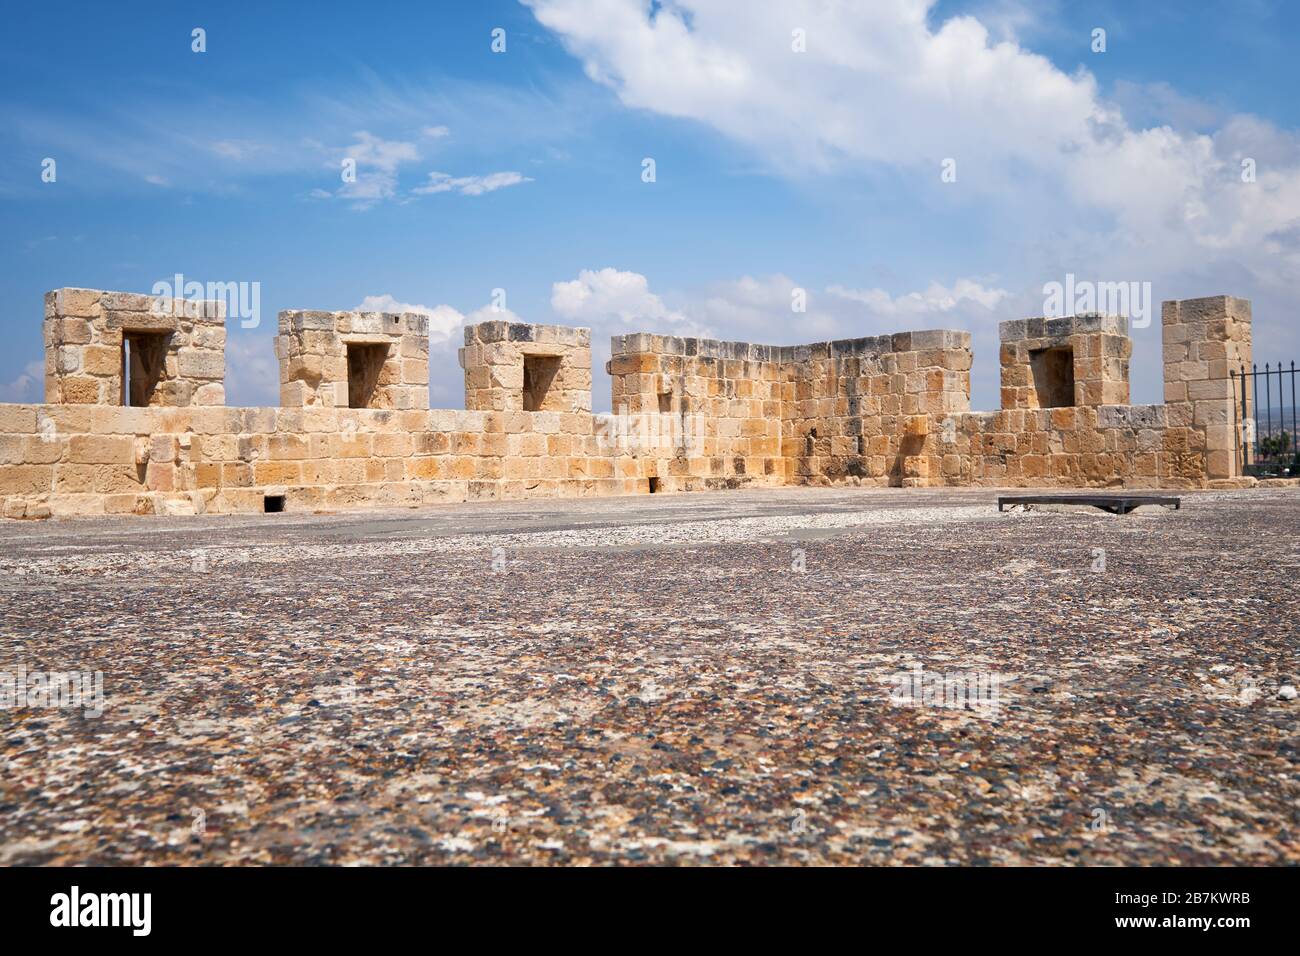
x: 774, y: 169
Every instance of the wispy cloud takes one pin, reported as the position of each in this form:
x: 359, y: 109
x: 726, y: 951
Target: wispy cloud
x: 470, y: 185
x: 299, y: 132
x: 369, y: 167
x: 236, y: 149
x: 935, y: 299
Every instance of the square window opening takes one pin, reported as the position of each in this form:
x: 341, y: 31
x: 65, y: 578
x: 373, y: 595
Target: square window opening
x: 273, y: 504
x: 144, y: 360
x: 365, y: 365
x: 1053, y: 374
x: 539, y: 374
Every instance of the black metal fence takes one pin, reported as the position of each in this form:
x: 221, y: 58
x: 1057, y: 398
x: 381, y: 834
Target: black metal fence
x: 1266, y: 420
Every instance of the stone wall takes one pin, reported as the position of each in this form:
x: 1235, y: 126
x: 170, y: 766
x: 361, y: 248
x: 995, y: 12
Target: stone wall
x: 1191, y: 441
x: 849, y: 409
x: 709, y: 410
x: 688, y: 413
x: 70, y: 460
x: 862, y: 407
x: 1089, y: 446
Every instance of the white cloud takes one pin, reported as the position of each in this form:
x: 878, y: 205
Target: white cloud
x: 236, y: 149
x: 750, y: 309
x: 936, y: 299
x: 880, y: 85
x: 470, y: 185
x: 1063, y: 178
x: 764, y: 309
x: 252, y: 370
x: 381, y: 154
x: 876, y: 82
x: 607, y: 293
x: 377, y: 161
x: 28, y: 386
x: 613, y: 296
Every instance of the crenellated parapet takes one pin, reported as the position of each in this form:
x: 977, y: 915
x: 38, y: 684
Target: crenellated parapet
x: 134, y: 419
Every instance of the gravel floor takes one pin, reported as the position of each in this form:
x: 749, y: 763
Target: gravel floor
x: 707, y: 678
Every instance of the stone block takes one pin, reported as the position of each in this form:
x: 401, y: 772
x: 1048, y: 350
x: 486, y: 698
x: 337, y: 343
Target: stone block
x: 95, y: 449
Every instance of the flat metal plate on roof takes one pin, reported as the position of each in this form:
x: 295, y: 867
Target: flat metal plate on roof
x: 1115, y: 504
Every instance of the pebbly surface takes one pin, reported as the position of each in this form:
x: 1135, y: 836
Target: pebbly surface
x: 676, y: 679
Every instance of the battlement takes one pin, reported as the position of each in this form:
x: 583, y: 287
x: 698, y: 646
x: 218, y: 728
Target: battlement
x: 353, y: 359
x: 517, y: 366
x: 134, y: 386
x: 120, y: 348
x: 1075, y: 361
